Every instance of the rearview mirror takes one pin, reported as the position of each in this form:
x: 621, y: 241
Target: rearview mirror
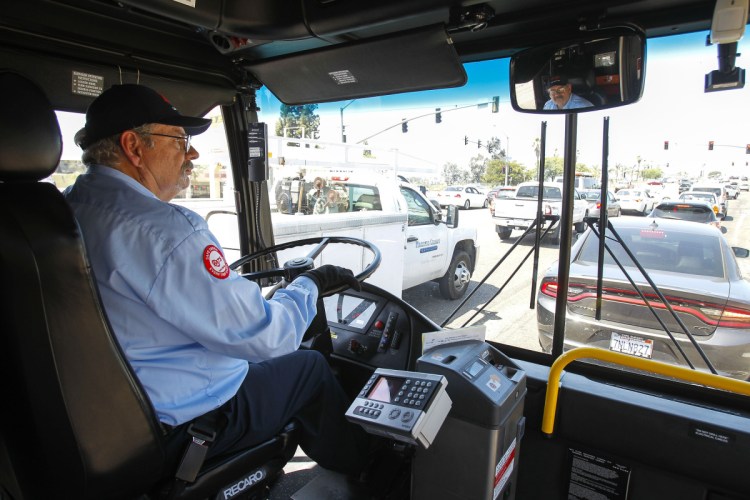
x: 599, y: 71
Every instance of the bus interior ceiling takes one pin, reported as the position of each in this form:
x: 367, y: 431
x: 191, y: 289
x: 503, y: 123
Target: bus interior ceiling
x: 657, y: 438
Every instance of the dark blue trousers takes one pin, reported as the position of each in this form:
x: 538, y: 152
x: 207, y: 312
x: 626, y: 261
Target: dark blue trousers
x: 298, y: 386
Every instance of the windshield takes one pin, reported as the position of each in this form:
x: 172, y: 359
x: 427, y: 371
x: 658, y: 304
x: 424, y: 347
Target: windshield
x: 445, y: 139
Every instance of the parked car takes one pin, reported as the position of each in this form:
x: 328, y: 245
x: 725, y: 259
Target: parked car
x: 693, y: 211
x: 462, y: 196
x: 691, y: 264
x: 593, y: 197
x: 638, y: 201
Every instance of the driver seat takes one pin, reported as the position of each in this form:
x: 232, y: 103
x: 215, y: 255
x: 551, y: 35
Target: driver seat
x: 584, y: 85
x: 74, y: 420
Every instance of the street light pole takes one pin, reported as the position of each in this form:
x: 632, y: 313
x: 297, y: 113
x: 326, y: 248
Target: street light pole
x: 507, y: 158
x: 343, y: 135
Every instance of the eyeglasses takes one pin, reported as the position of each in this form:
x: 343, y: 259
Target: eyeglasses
x: 560, y: 90
x: 185, y: 138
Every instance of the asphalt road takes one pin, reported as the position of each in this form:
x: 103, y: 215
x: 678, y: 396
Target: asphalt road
x: 508, y: 317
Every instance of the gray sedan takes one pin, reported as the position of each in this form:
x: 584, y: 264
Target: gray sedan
x: 693, y: 267
x: 593, y: 196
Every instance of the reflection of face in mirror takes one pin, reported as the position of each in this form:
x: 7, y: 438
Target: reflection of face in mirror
x: 596, y: 71
x: 561, y: 95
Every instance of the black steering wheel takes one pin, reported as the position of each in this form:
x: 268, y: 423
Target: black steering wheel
x: 299, y: 265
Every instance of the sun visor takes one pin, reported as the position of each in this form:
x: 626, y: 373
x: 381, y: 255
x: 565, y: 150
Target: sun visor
x: 423, y: 59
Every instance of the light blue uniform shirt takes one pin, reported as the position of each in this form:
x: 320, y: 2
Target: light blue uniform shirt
x: 574, y: 102
x: 186, y: 323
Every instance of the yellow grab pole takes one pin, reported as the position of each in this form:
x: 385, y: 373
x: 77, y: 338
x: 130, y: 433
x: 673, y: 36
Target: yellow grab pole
x: 695, y: 376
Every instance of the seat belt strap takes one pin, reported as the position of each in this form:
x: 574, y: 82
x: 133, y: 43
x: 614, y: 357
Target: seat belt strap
x: 203, y: 432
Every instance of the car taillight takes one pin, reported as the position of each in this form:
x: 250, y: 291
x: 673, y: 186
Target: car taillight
x: 457, y: 195
x: 707, y: 312
x: 598, y: 205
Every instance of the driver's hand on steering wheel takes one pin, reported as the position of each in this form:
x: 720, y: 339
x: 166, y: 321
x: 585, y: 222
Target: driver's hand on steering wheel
x: 329, y: 277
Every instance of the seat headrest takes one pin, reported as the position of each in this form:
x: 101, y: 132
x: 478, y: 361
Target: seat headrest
x: 30, y: 139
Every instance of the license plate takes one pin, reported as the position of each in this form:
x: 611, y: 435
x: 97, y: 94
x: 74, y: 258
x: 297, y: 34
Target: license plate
x: 628, y: 344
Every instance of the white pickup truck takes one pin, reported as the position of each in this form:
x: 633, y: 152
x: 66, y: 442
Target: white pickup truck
x: 416, y: 241
x: 520, y: 210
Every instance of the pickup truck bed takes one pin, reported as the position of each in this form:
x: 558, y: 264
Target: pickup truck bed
x: 520, y: 211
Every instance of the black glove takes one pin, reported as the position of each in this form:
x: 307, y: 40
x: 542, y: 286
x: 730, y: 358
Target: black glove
x: 330, y: 277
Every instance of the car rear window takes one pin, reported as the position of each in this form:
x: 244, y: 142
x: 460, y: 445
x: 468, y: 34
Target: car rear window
x: 685, y: 212
x: 707, y: 189
x: 677, y: 252
x: 591, y: 196
x: 533, y: 192
x: 698, y: 196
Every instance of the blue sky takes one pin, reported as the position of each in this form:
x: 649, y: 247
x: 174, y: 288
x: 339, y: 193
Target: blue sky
x: 674, y: 107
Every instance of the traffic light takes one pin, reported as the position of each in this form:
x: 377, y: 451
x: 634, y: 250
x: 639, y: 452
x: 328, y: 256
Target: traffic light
x: 747, y: 149
x: 466, y: 140
x: 438, y: 116
x: 495, y: 104
x: 710, y: 145
x: 666, y: 144
x: 404, y: 126
x: 479, y: 144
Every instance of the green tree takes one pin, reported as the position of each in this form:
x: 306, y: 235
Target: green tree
x: 652, y: 173
x: 495, y: 174
x: 553, y: 167
x: 298, y: 119
x: 454, y: 175
x: 477, y: 167
x: 494, y: 148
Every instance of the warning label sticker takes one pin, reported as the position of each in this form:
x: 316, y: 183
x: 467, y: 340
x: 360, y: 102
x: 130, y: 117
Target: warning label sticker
x: 504, y: 469
x: 596, y: 478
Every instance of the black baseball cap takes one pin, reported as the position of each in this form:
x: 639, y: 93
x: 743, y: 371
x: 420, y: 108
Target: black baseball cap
x: 557, y: 80
x: 124, y: 107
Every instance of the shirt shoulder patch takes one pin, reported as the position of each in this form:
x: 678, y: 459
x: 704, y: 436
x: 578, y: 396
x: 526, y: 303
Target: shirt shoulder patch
x: 215, y: 263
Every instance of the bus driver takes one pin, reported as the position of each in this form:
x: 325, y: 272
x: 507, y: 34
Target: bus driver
x: 199, y: 337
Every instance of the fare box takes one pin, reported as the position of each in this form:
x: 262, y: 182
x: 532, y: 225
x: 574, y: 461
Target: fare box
x: 431, y: 340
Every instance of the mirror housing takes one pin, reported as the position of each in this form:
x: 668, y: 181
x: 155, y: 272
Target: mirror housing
x: 599, y: 70
x: 740, y: 252
x: 451, y: 217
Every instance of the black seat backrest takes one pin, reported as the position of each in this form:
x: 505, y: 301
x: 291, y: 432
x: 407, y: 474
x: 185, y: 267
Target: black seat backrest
x: 74, y: 420
x: 583, y: 84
